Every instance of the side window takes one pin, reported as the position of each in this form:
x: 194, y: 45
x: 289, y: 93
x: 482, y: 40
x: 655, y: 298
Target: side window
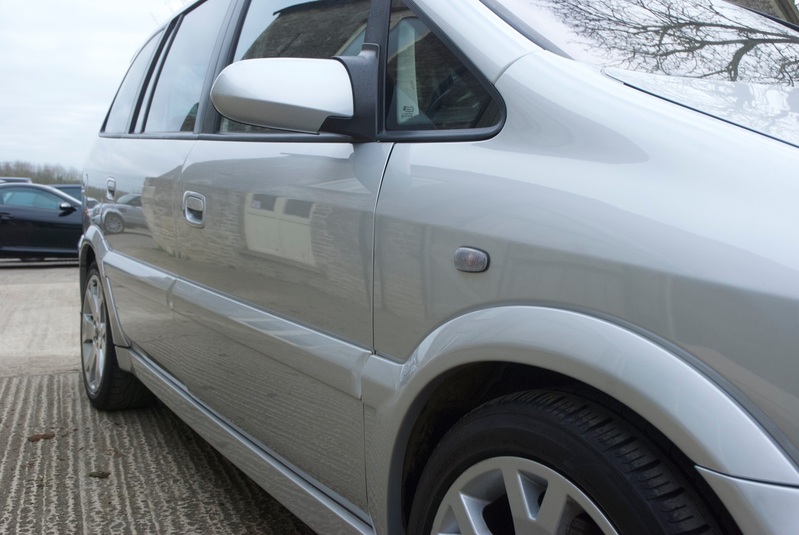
x: 32, y: 199
x: 427, y: 86
x: 180, y: 82
x: 299, y: 29
x: 119, y: 115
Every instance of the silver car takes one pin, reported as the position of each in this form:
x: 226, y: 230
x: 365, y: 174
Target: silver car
x: 472, y: 267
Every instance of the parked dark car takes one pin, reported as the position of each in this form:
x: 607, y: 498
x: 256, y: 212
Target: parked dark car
x: 38, y: 221
x: 15, y: 180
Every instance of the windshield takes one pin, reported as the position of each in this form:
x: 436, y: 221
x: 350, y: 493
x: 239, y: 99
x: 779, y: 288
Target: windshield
x: 709, y: 39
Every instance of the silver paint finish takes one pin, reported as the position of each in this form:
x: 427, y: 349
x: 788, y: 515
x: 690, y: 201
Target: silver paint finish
x: 757, y: 507
x: 291, y: 344
x: 692, y: 411
x: 583, y: 206
x: 140, y: 263
x: 245, y: 91
x: 292, y: 489
x: 769, y: 109
x: 274, y: 302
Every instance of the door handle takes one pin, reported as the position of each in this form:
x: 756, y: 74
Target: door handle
x: 194, y: 209
x: 6, y: 217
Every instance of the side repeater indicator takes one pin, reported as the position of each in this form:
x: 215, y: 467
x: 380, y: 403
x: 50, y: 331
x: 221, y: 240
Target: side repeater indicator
x: 471, y: 260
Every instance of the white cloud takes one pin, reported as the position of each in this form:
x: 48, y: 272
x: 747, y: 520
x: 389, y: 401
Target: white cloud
x: 61, y: 63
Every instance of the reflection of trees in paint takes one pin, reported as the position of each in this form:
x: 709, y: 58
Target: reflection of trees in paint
x: 700, y: 39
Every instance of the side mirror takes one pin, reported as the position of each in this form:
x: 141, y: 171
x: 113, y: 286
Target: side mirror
x: 293, y: 94
x: 66, y: 207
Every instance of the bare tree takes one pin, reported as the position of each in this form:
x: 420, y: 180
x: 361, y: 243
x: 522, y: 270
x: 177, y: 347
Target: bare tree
x: 41, y: 174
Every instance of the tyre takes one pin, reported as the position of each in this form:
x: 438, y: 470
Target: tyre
x: 107, y: 385
x: 113, y: 224
x: 557, y: 463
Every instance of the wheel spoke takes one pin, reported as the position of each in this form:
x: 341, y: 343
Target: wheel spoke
x: 94, y: 334
x: 91, y: 369
x: 539, y: 501
x: 92, y: 298
x: 88, y: 329
x: 523, y: 497
x: 460, y: 514
x: 551, y: 514
x: 468, y: 513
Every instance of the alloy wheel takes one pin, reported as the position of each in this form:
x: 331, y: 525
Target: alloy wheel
x: 517, y: 495
x: 94, y: 335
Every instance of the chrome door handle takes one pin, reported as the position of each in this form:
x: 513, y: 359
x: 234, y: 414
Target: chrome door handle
x: 194, y: 209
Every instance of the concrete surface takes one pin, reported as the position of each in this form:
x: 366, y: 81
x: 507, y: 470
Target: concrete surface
x: 67, y: 468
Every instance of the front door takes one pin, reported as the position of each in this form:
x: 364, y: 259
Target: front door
x: 274, y: 301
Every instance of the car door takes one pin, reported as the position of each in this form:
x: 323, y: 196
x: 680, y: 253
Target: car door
x: 275, y: 262
x: 148, y: 134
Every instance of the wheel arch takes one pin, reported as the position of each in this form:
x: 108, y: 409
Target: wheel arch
x: 491, y: 352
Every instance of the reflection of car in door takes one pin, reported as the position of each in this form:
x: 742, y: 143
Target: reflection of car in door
x: 125, y: 213
x: 38, y: 221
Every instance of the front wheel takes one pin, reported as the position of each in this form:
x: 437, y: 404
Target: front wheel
x: 551, y: 462
x: 107, y: 385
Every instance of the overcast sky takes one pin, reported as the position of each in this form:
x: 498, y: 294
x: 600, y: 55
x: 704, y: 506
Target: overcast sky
x: 61, y: 62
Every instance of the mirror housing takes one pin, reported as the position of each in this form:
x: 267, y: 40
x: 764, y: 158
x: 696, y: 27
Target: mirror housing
x: 295, y: 94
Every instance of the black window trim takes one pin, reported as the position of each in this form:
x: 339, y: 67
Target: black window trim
x: 377, y: 29
x: 454, y: 135
x: 204, y: 99
x: 142, y: 84
x: 340, y: 131
x: 146, y: 91
x: 150, y: 81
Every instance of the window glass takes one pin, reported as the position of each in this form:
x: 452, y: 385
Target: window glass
x: 32, y: 199
x: 300, y: 29
x: 125, y: 101
x: 427, y: 86
x: 179, y: 86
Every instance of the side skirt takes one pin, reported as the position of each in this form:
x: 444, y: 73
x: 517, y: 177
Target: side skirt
x: 312, y: 506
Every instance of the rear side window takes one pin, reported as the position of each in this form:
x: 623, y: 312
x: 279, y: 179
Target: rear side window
x: 321, y: 29
x: 427, y: 86
x: 178, y: 89
x: 125, y: 101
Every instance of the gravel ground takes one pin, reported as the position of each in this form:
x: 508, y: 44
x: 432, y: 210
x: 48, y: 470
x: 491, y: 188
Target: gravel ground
x: 67, y: 468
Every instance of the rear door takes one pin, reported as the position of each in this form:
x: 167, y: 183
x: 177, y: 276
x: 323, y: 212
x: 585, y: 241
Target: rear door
x: 275, y: 258
x: 148, y: 134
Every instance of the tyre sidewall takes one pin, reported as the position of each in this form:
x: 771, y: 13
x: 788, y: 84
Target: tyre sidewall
x: 507, y: 431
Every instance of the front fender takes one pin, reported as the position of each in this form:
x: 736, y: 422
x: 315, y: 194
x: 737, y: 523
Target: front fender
x: 688, y: 406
